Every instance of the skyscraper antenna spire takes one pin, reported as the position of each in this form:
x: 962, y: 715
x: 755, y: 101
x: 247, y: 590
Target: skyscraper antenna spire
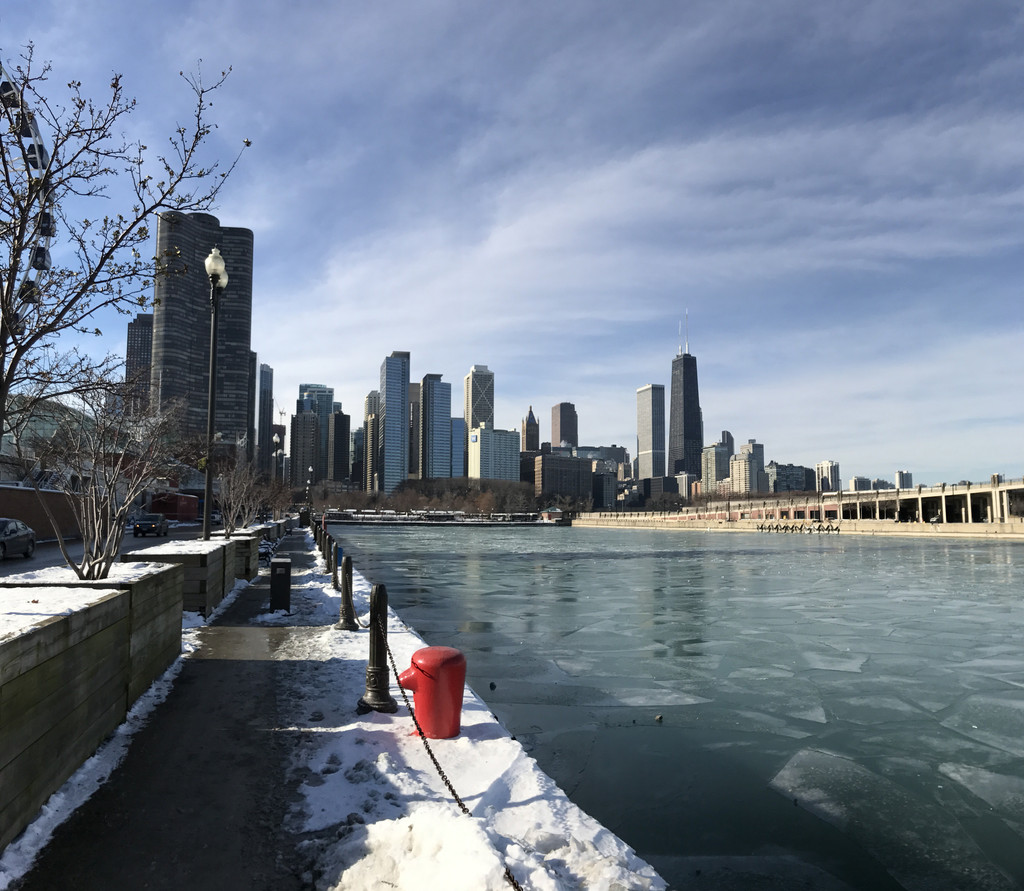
x: 680, y: 338
x: 687, y: 331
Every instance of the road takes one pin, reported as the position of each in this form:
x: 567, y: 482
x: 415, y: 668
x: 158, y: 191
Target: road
x: 48, y: 554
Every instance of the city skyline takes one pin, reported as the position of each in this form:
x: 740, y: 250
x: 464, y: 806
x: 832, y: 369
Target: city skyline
x: 830, y: 190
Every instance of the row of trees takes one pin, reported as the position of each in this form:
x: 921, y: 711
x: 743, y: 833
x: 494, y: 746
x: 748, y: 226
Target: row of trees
x: 103, y: 451
x: 472, y: 496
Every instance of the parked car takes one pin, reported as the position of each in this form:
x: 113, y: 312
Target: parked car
x: 150, y: 523
x: 16, y: 538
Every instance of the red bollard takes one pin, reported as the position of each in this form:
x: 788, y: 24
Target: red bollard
x: 436, y: 677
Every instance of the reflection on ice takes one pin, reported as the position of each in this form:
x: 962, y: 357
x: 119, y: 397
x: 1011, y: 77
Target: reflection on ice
x: 994, y: 719
x: 1004, y: 793
x: 918, y: 842
x: 828, y: 662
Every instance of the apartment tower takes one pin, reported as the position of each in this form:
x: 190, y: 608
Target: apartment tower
x: 181, y: 325
x: 393, y: 423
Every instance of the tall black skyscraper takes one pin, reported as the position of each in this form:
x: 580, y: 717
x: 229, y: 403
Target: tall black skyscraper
x: 564, y: 425
x: 139, y: 356
x: 181, y: 325
x: 686, y: 424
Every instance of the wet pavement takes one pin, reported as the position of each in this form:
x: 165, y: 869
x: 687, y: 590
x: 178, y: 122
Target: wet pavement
x: 202, y: 794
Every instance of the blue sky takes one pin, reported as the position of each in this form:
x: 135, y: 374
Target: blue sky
x: 833, y: 191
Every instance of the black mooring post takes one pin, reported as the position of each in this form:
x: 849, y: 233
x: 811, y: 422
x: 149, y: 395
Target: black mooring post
x: 347, y: 620
x: 377, y: 697
x: 334, y: 564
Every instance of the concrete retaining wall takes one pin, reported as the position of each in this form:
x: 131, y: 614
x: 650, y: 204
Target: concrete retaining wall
x: 247, y: 555
x: 68, y: 682
x: 209, y: 569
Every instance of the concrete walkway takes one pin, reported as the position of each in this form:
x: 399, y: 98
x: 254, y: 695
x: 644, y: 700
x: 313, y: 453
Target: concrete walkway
x: 201, y: 796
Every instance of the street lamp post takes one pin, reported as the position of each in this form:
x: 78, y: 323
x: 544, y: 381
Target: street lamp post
x: 217, y: 273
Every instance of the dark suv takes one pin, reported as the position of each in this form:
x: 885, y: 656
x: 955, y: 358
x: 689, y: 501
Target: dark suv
x: 16, y: 538
x: 150, y: 523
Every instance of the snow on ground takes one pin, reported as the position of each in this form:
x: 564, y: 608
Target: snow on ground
x: 374, y: 811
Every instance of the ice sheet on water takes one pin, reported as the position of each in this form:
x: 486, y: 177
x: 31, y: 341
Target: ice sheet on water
x: 1004, y: 793
x: 813, y: 713
x: 921, y: 845
x: 659, y: 697
x: 748, y: 873
x: 833, y: 661
x: 996, y: 719
x: 872, y: 710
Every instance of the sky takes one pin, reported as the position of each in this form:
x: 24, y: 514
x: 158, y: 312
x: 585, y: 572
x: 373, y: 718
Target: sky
x: 372, y: 809
x: 828, y: 194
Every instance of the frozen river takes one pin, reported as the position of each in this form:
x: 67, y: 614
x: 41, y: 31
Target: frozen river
x: 747, y: 711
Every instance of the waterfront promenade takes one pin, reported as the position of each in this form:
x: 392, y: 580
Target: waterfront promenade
x: 256, y: 771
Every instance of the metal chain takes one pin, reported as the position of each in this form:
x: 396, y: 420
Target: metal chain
x: 511, y: 879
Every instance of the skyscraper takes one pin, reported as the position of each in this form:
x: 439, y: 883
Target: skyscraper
x: 435, y: 427
x: 181, y: 324
x: 139, y: 357
x: 564, y: 425
x: 650, y: 431
x: 357, y: 450
x: 686, y: 424
x: 478, y: 393
x: 393, y: 423
x: 827, y: 475
x: 715, y: 461
x: 265, y: 421
x: 320, y: 400
x: 305, y: 448
x: 371, y: 414
x: 338, y: 435
x: 458, y: 447
x: 493, y: 454
x: 414, y: 432
x: 531, y: 432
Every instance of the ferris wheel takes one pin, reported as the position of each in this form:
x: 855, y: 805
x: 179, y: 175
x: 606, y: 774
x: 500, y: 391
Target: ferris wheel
x: 31, y: 165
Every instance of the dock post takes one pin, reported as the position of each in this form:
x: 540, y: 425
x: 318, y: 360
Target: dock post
x: 378, y: 697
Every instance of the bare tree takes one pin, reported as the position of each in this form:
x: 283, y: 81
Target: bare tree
x: 63, y: 162
x: 241, y: 493
x: 102, y: 449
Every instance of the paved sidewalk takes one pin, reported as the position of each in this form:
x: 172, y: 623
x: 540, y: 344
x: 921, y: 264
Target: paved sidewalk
x: 201, y: 796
